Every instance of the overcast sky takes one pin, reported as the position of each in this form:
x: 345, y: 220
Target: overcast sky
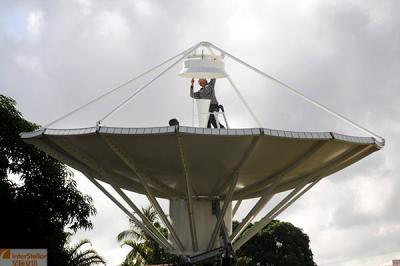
x: 58, y: 55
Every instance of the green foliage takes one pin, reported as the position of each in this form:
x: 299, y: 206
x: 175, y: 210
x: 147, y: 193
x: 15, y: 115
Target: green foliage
x: 87, y: 257
x: 36, y: 213
x: 144, y: 249
x: 278, y: 244
x: 243, y: 261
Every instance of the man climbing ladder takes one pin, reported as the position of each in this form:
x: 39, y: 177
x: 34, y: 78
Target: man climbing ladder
x: 207, y: 92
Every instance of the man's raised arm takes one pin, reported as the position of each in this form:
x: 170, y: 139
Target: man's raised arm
x: 193, y: 94
x: 211, y: 84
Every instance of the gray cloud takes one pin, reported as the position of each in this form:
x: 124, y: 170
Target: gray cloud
x: 57, y: 55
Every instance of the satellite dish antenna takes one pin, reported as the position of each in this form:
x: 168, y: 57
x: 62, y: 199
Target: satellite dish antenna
x: 202, y: 171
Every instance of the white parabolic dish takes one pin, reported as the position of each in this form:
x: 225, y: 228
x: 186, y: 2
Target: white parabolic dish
x: 212, y: 155
x: 265, y: 162
x: 197, y: 169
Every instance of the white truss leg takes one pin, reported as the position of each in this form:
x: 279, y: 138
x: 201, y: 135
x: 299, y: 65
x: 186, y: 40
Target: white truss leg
x: 145, y: 220
x: 255, y: 210
x: 237, y: 205
x: 286, y: 202
x: 343, y: 159
x: 149, y: 193
x: 116, y: 202
x: 229, y: 195
x: 269, y: 192
x: 93, y: 164
x: 267, y: 180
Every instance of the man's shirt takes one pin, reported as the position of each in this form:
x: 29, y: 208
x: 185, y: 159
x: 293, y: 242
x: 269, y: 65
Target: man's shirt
x: 207, y: 92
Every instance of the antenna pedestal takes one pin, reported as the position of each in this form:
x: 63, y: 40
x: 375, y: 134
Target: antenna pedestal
x: 205, y: 220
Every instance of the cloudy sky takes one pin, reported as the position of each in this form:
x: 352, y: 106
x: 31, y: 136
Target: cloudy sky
x: 58, y: 55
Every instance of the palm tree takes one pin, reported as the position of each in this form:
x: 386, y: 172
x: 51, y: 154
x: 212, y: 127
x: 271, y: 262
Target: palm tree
x: 144, y: 249
x: 140, y: 253
x: 87, y: 257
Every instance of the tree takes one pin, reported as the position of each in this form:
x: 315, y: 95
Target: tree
x: 279, y: 244
x: 79, y: 257
x: 144, y: 249
x: 40, y: 212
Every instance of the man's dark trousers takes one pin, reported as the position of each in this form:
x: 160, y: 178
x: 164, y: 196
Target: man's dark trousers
x: 211, y: 120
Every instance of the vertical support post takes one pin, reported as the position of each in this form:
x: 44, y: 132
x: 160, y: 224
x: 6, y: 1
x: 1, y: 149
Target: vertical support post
x: 226, y: 121
x: 189, y: 204
x: 192, y: 112
x: 225, y: 237
x: 229, y: 195
x: 215, y: 114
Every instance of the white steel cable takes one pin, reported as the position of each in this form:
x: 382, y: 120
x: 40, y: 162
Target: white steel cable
x: 301, y: 95
x: 186, y: 53
x: 244, y: 102
x: 114, y: 90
